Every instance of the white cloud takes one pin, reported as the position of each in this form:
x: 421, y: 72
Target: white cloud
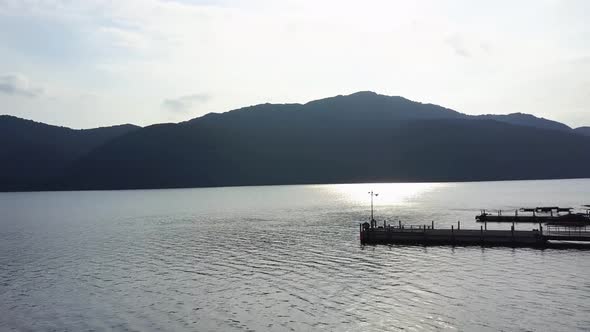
x: 471, y: 57
x: 123, y: 38
x: 457, y: 43
x: 18, y: 85
x: 184, y: 103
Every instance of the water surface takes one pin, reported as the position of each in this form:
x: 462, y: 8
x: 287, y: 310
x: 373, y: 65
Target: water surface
x: 280, y: 258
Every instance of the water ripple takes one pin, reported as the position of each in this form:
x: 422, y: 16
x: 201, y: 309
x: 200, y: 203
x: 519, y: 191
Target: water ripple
x: 289, y: 265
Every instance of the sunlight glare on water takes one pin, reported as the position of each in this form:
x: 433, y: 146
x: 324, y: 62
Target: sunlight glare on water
x: 390, y: 194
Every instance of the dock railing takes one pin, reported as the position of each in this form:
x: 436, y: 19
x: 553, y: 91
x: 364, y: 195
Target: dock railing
x: 567, y: 231
x: 409, y: 228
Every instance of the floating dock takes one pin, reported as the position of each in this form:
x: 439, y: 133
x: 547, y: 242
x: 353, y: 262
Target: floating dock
x: 546, y: 214
x: 428, y: 235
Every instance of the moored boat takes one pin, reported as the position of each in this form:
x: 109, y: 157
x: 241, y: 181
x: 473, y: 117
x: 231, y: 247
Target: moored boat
x: 551, y: 215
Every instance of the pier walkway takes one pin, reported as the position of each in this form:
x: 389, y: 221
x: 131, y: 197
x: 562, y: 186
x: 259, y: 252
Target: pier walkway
x: 428, y: 235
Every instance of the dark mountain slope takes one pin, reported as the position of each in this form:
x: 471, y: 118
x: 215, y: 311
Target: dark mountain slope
x: 357, y: 106
x: 254, y: 145
x: 354, y: 138
x: 489, y: 150
x: 34, y: 153
x: 288, y: 146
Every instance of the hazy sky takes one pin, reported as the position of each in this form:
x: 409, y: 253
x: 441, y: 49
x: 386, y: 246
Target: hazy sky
x: 92, y: 63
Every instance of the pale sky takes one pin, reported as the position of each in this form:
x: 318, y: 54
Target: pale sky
x: 92, y: 63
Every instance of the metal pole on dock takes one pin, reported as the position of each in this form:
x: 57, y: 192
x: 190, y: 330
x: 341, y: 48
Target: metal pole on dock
x: 458, y: 225
x: 432, y: 227
x: 372, y: 210
x: 372, y: 194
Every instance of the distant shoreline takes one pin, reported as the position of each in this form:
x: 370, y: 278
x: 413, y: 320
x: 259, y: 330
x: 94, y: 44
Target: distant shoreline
x: 284, y: 184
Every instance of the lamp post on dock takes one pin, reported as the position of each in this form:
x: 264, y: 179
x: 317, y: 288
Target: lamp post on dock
x: 372, y: 194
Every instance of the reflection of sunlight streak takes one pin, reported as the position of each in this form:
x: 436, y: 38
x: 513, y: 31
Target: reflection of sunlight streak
x: 389, y: 193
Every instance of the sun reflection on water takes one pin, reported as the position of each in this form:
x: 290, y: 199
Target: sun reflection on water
x: 389, y: 193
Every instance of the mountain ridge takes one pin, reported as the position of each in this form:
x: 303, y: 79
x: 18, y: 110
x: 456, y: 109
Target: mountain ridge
x: 362, y: 137
x: 517, y: 118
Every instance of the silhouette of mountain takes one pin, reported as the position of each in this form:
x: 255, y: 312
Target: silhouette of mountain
x: 370, y: 104
x: 363, y: 137
x: 34, y: 153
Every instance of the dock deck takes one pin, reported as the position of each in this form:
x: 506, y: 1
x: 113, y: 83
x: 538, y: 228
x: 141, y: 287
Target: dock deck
x: 427, y: 235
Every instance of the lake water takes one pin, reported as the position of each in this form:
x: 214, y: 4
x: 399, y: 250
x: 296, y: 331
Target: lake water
x: 280, y: 258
